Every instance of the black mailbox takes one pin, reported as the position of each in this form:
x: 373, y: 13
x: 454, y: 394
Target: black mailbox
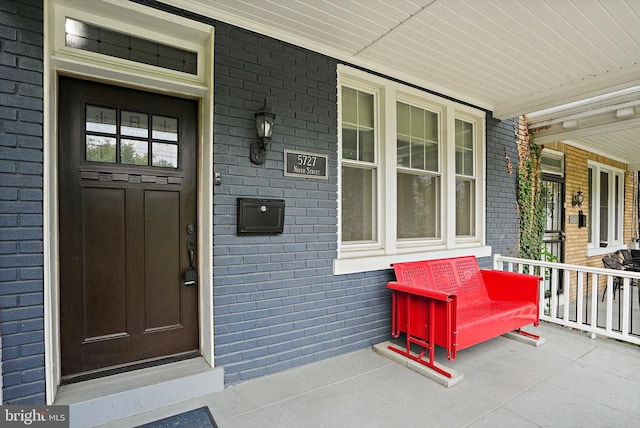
x: 260, y: 216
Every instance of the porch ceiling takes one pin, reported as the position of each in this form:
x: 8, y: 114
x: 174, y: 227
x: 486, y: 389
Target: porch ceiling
x: 509, y: 56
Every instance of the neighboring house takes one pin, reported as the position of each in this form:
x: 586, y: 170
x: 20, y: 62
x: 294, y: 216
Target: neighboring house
x: 122, y: 160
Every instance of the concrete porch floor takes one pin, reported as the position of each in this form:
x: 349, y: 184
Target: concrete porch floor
x: 570, y: 381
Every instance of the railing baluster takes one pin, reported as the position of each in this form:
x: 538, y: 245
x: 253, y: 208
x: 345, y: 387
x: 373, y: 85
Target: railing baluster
x: 625, y: 293
x: 567, y: 291
x: 579, y: 296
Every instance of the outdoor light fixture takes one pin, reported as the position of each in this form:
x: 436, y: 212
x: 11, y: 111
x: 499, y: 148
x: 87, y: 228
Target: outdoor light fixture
x: 577, y: 199
x: 264, y: 127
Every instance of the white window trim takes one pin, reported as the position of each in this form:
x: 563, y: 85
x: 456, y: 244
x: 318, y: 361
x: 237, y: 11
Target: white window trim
x: 593, y: 248
x: 363, y: 257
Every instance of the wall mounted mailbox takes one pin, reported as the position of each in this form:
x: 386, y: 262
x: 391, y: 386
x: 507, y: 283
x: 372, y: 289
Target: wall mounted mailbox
x: 260, y: 216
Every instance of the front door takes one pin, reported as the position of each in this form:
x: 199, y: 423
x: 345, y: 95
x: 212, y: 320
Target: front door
x: 554, y: 234
x: 127, y: 207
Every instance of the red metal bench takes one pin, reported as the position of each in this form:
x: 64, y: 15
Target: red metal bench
x: 453, y: 304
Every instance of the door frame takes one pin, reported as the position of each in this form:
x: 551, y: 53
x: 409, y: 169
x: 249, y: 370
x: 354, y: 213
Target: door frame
x: 139, y: 20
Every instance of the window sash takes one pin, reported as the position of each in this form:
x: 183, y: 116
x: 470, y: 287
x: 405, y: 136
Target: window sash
x: 606, y: 199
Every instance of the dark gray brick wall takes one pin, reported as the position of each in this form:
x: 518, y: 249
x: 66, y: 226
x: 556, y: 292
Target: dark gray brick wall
x: 502, y: 217
x: 21, y: 252
x: 277, y: 303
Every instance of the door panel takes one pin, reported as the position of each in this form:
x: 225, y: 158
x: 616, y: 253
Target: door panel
x: 162, y: 268
x: 127, y: 190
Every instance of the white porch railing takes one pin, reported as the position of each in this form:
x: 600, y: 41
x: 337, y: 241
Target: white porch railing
x: 582, y: 297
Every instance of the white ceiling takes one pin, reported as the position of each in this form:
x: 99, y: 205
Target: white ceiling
x: 509, y: 56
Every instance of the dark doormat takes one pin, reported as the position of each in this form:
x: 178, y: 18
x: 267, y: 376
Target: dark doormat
x: 198, y: 418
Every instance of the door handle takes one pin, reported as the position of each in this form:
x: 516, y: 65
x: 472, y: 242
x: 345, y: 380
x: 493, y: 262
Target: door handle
x: 191, y: 274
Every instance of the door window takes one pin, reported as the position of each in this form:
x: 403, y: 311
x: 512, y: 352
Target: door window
x: 128, y: 141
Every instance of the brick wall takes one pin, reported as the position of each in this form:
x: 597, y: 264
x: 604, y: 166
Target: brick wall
x: 21, y: 254
x: 502, y: 174
x: 277, y: 303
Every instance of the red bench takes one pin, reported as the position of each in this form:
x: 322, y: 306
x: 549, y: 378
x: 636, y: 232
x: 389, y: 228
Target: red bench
x: 453, y: 304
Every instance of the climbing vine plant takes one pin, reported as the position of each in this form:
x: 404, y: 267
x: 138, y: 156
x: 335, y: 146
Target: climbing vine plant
x: 530, y: 200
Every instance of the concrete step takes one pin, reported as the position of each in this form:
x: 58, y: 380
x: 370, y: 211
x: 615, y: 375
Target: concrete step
x: 96, y: 402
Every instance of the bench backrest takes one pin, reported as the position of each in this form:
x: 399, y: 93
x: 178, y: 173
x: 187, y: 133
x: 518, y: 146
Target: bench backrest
x: 460, y: 276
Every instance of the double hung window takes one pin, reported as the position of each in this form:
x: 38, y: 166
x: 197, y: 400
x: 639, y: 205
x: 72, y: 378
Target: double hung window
x: 606, y: 206
x: 411, y: 174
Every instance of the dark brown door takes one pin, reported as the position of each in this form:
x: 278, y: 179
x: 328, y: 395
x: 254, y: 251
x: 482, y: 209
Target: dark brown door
x: 127, y: 204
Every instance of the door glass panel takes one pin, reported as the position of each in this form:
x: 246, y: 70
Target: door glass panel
x: 100, y: 119
x: 165, y: 128
x: 165, y: 155
x: 100, y: 148
x: 133, y: 124
x: 134, y: 152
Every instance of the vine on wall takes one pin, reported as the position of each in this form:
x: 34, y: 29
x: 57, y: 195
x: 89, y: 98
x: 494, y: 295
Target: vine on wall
x: 530, y: 200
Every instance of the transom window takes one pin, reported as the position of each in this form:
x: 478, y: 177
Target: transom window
x: 410, y: 164
x: 130, y: 138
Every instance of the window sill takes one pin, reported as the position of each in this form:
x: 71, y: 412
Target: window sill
x: 605, y: 250
x: 345, y: 265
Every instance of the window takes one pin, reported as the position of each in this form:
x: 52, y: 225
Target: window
x: 606, y: 198
x: 465, y: 179
x: 411, y: 175
x: 358, y: 166
x: 418, y: 180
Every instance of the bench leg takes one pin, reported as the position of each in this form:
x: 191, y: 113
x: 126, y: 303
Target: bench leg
x: 428, y: 363
x: 524, y: 333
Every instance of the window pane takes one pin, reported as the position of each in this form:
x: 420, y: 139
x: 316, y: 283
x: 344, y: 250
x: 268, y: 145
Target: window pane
x: 418, y: 206
x: 431, y: 157
x: 604, y: 207
x: 417, y: 123
x: 358, y: 202
x: 465, y: 208
x: 100, y: 119
x: 349, y: 106
x: 134, y: 152
x: 616, y: 208
x: 365, y: 109
x: 417, y: 155
x: 100, y: 149
x: 591, y: 212
x: 134, y: 124
x: 431, y: 125
x: 165, y: 155
x: 367, y: 153
x: 349, y: 142
x: 165, y: 128
x: 403, y: 152
x: 402, y: 116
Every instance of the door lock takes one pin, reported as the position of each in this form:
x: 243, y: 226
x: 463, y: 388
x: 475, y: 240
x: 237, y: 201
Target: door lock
x: 191, y: 274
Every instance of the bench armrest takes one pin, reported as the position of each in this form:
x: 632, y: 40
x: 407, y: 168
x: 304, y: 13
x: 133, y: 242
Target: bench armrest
x: 503, y: 285
x: 424, y: 292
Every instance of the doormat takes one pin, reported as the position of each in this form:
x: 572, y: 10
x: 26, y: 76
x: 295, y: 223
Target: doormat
x: 198, y: 418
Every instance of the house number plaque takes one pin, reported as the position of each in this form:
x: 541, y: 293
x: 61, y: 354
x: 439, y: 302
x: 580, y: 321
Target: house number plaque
x: 302, y: 164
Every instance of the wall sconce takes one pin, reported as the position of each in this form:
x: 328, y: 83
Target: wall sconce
x: 264, y: 128
x: 577, y: 199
